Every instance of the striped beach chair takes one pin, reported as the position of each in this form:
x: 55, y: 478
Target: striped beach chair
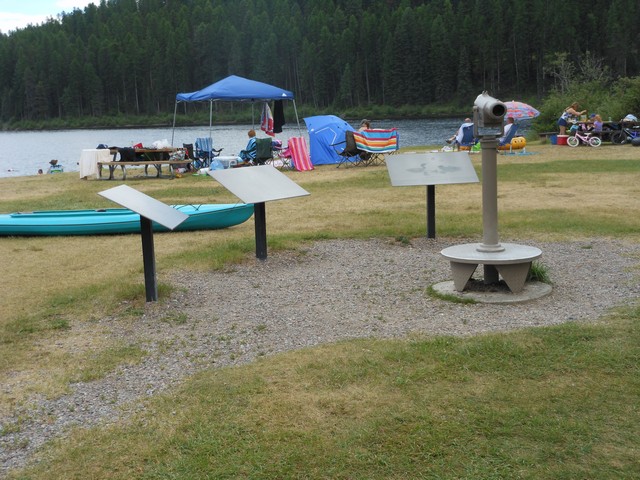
x: 367, y: 147
x: 299, y: 152
x: 374, y: 143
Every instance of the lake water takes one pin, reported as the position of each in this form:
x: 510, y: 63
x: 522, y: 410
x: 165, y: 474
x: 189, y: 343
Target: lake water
x: 23, y: 153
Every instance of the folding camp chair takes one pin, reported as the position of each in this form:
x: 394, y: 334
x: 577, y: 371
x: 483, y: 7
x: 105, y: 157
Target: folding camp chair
x: 349, y: 153
x: 368, y: 147
x: 204, y: 152
x: 264, y: 151
x: 506, y: 140
x: 376, y: 142
x: 468, y: 140
x: 280, y: 156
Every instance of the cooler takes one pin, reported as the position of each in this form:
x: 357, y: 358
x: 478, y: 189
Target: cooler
x: 562, y: 139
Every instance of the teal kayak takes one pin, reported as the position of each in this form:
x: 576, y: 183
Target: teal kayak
x: 105, y: 221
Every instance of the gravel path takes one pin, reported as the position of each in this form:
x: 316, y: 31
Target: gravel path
x: 332, y: 290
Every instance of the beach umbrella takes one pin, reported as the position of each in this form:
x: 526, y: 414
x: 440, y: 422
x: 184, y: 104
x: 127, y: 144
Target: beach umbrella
x: 520, y: 110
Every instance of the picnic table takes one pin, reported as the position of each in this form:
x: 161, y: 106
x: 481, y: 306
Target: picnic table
x: 141, y: 157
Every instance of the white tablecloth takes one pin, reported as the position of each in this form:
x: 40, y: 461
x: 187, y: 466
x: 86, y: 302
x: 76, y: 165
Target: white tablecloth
x: 89, y: 161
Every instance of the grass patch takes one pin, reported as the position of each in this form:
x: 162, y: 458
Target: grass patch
x: 95, y: 365
x: 537, y: 172
x: 599, y: 222
x: 553, y: 402
x: 539, y: 272
x: 449, y: 297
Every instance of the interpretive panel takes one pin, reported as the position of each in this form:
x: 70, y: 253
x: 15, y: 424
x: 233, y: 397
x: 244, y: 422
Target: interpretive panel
x: 409, y: 169
x: 145, y: 205
x: 258, y: 184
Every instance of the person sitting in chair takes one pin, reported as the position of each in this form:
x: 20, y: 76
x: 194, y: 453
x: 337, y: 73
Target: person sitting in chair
x: 55, y: 167
x: 364, y: 125
x: 457, y: 137
x: 595, y: 124
x: 598, y: 124
x: 248, y: 155
x: 507, y: 129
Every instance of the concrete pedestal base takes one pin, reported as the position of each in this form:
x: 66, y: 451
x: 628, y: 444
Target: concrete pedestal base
x: 512, y: 262
x: 531, y: 291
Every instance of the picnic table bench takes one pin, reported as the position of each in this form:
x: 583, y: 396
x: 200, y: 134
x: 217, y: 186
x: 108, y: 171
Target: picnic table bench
x: 143, y: 157
x: 156, y: 163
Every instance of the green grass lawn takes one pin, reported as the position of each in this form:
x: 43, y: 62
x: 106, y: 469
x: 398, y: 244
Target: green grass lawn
x: 557, y: 402
x: 546, y: 403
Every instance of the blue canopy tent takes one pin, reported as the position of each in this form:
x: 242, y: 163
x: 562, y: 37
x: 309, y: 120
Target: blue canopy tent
x: 325, y: 131
x: 234, y: 89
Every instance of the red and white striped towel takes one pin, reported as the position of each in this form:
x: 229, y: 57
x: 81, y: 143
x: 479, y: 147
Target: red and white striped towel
x: 300, y: 154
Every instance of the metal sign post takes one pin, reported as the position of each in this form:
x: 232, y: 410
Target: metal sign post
x: 430, y: 169
x: 148, y: 259
x: 431, y: 211
x: 258, y: 185
x: 260, y: 219
x: 150, y: 210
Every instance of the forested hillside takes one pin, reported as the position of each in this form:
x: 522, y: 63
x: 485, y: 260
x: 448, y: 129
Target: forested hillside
x: 133, y: 56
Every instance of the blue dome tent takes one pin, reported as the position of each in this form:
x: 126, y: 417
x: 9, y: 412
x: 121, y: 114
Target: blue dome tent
x: 325, y: 131
x: 234, y: 89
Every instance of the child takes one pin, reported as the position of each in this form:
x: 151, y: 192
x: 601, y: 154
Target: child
x: 597, y: 124
x: 594, y: 125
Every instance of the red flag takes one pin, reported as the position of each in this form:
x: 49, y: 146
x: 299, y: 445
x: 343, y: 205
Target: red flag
x: 266, y: 120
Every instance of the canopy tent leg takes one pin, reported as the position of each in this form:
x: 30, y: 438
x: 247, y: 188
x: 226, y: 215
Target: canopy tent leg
x: 295, y: 109
x: 210, y: 118
x: 173, y: 130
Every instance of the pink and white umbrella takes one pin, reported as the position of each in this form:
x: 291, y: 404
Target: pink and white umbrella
x: 520, y: 110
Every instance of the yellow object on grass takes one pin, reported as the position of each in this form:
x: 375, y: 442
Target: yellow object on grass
x: 517, y: 143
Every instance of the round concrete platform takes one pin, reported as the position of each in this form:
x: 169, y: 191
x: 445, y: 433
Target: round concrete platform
x: 531, y: 291
x: 508, y: 253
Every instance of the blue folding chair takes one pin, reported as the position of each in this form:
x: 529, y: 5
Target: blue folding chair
x: 467, y: 140
x: 506, y: 140
x: 204, y: 152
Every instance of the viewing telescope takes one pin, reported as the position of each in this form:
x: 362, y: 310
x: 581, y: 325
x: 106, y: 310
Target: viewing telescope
x: 488, y: 115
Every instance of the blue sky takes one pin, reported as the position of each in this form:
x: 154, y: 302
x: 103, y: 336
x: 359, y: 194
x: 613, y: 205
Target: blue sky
x: 20, y: 13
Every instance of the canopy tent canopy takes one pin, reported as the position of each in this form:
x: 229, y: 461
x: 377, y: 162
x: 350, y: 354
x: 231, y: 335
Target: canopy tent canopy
x: 324, y: 132
x: 235, y: 89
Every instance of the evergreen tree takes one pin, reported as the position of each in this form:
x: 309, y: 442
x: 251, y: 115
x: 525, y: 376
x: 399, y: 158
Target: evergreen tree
x: 133, y: 56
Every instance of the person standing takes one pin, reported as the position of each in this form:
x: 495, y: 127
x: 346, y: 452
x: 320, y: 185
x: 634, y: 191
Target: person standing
x: 570, y: 112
